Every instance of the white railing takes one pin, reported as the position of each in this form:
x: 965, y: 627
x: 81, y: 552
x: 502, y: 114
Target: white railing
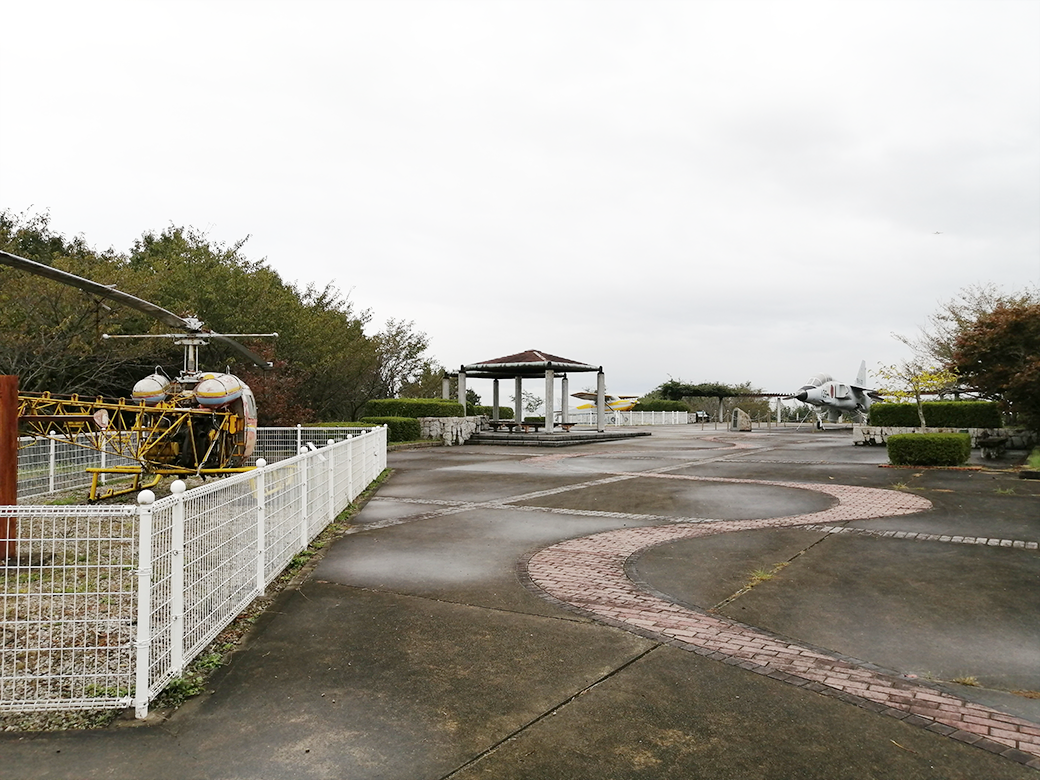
x: 632, y: 418
x: 48, y: 466
x: 105, y: 605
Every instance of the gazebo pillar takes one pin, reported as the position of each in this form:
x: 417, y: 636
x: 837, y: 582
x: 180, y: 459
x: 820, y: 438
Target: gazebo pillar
x: 601, y: 392
x: 518, y: 400
x: 564, y: 403
x: 549, y: 377
x: 462, y: 389
x: 494, y: 399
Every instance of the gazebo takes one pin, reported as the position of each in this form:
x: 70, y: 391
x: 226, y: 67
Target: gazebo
x: 529, y: 365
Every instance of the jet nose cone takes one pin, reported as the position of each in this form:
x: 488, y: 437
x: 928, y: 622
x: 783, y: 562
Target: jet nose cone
x: 803, y: 396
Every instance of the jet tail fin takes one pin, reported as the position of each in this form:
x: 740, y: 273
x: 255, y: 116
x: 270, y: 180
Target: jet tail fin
x: 861, y: 377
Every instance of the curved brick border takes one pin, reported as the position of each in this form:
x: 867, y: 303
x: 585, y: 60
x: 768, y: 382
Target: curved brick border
x: 588, y: 576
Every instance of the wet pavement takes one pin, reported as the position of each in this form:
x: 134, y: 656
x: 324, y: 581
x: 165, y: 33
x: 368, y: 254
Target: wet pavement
x: 696, y: 603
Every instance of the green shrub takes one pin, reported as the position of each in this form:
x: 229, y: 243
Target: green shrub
x: 929, y: 449
x: 413, y: 407
x: 660, y: 405
x: 534, y: 419
x: 504, y: 412
x: 938, y: 414
x: 398, y: 428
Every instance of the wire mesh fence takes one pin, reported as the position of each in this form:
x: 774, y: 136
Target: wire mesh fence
x: 103, y: 606
x: 68, y: 607
x: 47, y: 466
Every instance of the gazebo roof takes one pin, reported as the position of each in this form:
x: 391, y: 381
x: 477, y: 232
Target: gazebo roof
x: 530, y: 363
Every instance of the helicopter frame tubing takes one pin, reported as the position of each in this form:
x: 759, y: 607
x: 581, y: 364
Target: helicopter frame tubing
x: 163, y: 438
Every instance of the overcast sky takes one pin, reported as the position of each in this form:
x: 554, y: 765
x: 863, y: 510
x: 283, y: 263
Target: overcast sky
x: 709, y: 191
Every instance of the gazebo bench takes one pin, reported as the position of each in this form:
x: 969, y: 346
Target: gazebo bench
x: 507, y: 424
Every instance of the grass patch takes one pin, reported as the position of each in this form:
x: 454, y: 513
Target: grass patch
x: 1033, y: 461
x: 968, y: 679
x: 1004, y: 491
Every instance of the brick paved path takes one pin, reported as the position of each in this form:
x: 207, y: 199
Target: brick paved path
x: 588, y: 575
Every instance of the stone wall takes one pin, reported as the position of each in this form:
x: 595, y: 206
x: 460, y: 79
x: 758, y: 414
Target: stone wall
x: 450, y: 430
x: 876, y: 434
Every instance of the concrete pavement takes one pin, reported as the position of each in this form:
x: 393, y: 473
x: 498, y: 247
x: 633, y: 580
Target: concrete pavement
x: 593, y: 612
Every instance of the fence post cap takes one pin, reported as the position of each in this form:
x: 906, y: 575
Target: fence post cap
x: 330, y: 442
x: 303, y: 450
x: 178, y: 486
x: 146, y: 497
x: 260, y: 463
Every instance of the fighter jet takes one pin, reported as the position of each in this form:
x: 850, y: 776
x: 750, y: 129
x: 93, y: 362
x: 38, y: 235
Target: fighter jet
x: 831, y: 399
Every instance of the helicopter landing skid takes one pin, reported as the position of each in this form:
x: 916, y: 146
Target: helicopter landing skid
x: 146, y: 480
x: 122, y: 490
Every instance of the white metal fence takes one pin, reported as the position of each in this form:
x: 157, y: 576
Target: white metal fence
x: 632, y: 418
x: 48, y: 466
x: 105, y: 605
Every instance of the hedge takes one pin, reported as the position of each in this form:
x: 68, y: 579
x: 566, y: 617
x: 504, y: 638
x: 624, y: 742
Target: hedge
x: 504, y: 412
x: 929, y: 449
x: 339, y: 424
x: 661, y: 405
x: 413, y: 407
x: 938, y: 414
x: 398, y: 428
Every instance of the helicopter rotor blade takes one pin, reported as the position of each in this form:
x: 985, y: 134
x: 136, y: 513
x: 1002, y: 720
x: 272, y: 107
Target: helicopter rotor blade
x: 241, y: 350
x: 100, y: 290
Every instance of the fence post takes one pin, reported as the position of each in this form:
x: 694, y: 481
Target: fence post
x: 142, y: 660
x: 53, y: 464
x: 261, y: 501
x: 333, y: 511
x: 299, y: 436
x: 305, y: 515
x: 177, y: 578
x: 351, y: 454
x: 331, y: 484
x: 8, y: 465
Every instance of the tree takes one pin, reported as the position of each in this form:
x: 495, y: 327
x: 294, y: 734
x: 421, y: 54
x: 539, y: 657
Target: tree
x: 326, y: 367
x: 912, y: 379
x: 998, y: 354
x: 937, y: 341
x: 402, y: 357
x: 427, y: 383
x: 744, y: 395
x: 50, y: 333
x: 991, y: 340
x: 529, y: 402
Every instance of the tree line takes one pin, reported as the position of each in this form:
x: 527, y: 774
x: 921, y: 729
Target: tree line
x: 327, y: 363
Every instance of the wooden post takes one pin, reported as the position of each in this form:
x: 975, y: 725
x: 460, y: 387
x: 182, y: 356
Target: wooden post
x: 8, y: 464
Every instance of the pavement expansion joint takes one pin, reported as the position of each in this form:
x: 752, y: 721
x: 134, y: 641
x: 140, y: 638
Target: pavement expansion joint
x: 589, y: 575
x: 551, y: 711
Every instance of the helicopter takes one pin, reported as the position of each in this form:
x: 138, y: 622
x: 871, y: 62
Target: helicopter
x: 198, y: 423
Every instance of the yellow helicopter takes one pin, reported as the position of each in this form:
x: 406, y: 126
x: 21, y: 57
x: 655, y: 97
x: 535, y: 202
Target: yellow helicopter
x: 199, y: 423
